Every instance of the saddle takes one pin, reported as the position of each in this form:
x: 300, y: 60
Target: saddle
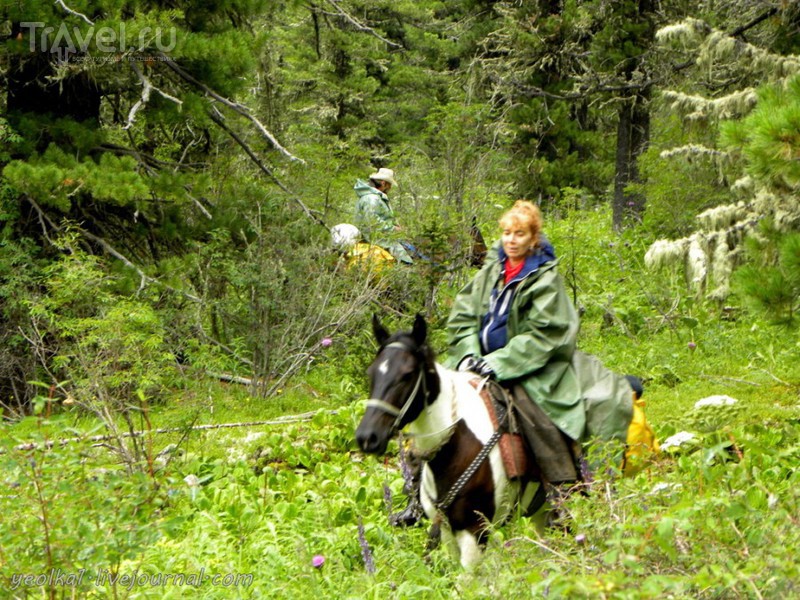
x: 525, y: 423
x: 515, y: 459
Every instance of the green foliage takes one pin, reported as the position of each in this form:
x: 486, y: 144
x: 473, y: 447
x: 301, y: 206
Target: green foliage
x: 20, y: 269
x: 105, y: 353
x: 708, y: 522
x: 710, y: 519
x: 671, y: 207
x: 767, y: 139
x: 771, y: 281
x: 143, y: 257
x: 80, y: 517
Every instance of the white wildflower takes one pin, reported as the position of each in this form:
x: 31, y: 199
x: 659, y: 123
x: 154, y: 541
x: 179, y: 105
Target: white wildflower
x: 252, y: 437
x: 718, y: 400
x: 194, y: 485
x: 663, y: 486
x: 677, y: 439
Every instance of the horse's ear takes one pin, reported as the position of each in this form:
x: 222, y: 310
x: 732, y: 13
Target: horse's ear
x: 379, y: 330
x: 420, y: 330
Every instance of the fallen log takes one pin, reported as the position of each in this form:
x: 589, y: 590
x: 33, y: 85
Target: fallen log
x: 104, y: 438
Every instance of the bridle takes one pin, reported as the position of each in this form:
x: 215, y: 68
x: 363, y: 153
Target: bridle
x: 400, y: 413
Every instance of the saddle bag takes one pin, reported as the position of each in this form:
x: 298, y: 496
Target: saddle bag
x: 511, y: 444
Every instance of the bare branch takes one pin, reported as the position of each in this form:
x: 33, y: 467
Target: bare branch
x: 146, y: 160
x: 231, y: 352
x: 147, y: 89
x: 198, y: 204
x: 360, y: 26
x: 44, y: 220
x: 235, y: 106
x: 97, y: 440
x: 739, y: 31
x: 217, y: 118
x: 73, y: 12
x: 145, y: 278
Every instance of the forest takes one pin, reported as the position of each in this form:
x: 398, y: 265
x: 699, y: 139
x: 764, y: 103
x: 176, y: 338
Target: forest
x: 183, y: 351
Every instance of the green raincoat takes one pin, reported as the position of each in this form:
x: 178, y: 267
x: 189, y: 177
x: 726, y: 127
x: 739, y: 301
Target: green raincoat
x: 375, y: 219
x: 583, y: 398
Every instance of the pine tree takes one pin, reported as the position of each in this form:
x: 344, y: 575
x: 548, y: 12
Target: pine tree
x: 756, y: 149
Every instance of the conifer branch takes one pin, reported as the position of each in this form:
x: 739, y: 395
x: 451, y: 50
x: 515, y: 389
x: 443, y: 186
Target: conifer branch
x: 145, y: 278
x: 147, y: 161
x: 44, y: 220
x: 74, y: 12
x: 759, y: 19
x: 198, y: 204
x: 360, y: 26
x: 147, y: 89
x: 218, y: 119
x: 235, y: 106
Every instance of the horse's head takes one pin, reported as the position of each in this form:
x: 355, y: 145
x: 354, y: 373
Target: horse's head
x: 403, y: 380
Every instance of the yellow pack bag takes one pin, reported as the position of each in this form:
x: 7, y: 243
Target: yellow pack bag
x: 641, y: 442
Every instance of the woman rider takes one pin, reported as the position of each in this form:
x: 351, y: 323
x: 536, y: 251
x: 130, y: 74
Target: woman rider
x: 515, y: 323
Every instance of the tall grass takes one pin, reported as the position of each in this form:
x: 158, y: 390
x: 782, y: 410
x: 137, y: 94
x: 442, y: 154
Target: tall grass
x: 299, y: 509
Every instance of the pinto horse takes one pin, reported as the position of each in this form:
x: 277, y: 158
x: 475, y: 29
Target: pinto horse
x: 464, y: 482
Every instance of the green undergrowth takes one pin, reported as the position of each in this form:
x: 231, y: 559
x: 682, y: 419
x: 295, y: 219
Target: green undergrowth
x: 711, y: 519
x: 289, y: 508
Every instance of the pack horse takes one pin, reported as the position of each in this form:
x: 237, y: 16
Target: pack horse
x: 464, y: 482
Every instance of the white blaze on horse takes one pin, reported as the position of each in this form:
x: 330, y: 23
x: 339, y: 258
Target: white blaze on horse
x: 464, y: 482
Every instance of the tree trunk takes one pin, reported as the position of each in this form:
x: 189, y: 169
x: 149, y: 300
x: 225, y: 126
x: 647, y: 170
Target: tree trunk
x: 633, y: 136
x: 633, y: 131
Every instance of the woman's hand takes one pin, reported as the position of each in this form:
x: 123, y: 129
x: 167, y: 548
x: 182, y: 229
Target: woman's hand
x: 477, y: 365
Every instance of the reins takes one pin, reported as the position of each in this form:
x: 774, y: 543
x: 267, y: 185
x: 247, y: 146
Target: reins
x: 473, y: 467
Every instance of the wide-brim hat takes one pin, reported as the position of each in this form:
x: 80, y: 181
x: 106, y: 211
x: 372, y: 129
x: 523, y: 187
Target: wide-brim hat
x: 384, y: 174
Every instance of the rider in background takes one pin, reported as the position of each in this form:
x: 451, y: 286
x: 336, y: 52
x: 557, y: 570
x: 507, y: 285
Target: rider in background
x: 374, y: 215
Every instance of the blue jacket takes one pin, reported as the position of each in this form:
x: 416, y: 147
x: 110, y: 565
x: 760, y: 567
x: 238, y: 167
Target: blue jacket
x: 494, y: 325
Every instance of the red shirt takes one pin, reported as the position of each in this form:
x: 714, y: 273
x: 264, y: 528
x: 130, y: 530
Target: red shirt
x: 512, y: 272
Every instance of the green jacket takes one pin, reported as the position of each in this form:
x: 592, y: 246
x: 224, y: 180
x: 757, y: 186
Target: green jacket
x: 375, y: 219
x: 581, y: 396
